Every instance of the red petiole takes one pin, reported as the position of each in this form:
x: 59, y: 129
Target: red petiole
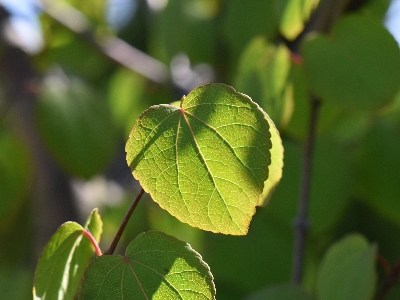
x: 93, y: 241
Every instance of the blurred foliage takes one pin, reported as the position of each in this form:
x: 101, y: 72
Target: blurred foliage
x: 88, y: 104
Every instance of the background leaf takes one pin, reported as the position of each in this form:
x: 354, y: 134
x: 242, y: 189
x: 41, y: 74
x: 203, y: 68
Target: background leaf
x: 380, y: 176
x: 75, y: 125
x: 15, y: 173
x: 295, y: 16
x: 125, y: 99
x: 63, y: 261
x: 239, y: 29
x: 263, y: 73
x: 185, y: 26
x: 155, y: 266
x: 281, y: 292
x: 331, y: 184
x: 348, y: 270
x: 231, y: 257
x: 205, y: 162
x: 356, y: 66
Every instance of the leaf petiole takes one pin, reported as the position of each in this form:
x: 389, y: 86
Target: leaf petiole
x: 121, y: 229
x: 87, y: 233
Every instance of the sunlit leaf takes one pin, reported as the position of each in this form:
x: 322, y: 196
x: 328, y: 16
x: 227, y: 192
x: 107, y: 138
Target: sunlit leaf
x: 295, y: 16
x: 263, y: 73
x: 155, y: 266
x: 356, y: 66
x: 206, y: 161
x: 276, y: 166
x: 348, y: 270
x: 63, y: 261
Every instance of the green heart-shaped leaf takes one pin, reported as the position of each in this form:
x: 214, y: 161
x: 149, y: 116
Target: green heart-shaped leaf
x: 206, y: 161
x: 63, y: 261
x: 155, y: 266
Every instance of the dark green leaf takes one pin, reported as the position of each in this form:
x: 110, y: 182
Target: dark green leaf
x: 76, y: 127
x: 357, y: 66
x: 281, y: 292
x: 348, y: 270
x: 332, y: 180
x: 155, y: 266
x: 15, y: 172
x: 184, y: 26
x: 248, y: 263
x: 240, y: 28
x: 379, y: 166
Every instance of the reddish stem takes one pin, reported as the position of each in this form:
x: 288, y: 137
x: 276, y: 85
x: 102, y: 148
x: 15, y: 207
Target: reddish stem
x: 121, y: 229
x: 93, y: 241
x: 296, y: 58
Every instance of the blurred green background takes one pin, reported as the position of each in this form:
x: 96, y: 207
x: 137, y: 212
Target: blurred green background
x: 74, y: 76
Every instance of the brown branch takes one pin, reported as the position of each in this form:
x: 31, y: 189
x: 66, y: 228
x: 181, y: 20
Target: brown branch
x: 110, y: 46
x: 301, y: 223
x: 322, y: 20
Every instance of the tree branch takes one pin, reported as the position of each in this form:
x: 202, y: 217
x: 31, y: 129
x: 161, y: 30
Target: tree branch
x: 301, y: 222
x: 110, y: 46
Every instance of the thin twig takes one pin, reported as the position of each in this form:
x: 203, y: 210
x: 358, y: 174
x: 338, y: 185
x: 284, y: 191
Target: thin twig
x: 110, y: 46
x: 123, y: 224
x: 301, y: 223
